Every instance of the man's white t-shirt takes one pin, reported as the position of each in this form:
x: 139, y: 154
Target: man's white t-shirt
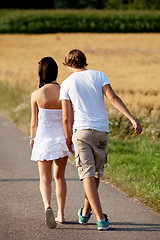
x: 84, y: 90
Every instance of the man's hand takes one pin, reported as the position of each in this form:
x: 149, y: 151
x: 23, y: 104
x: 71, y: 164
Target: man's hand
x: 137, y: 127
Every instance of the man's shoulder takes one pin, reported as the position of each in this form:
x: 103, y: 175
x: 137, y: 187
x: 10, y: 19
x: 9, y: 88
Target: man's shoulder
x: 96, y: 72
x: 66, y: 81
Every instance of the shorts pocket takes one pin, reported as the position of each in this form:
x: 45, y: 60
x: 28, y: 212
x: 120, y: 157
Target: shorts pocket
x: 106, y: 157
x: 77, y: 159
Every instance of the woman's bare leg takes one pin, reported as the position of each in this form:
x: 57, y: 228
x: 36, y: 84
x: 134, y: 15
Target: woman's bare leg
x: 61, y: 187
x: 45, y: 172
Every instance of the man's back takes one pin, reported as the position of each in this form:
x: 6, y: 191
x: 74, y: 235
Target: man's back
x: 84, y: 89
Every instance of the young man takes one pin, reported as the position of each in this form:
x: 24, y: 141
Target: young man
x: 83, y: 91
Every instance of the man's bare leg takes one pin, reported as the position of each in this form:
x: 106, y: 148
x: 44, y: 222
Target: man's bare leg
x: 91, y: 191
x: 87, y: 206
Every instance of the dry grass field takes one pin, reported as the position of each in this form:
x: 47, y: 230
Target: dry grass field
x: 131, y: 61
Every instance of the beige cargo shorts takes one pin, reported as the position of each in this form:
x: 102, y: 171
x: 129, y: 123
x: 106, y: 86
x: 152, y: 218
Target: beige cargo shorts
x: 91, y: 149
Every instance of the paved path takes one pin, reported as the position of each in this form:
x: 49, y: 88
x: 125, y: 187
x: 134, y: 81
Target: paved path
x: 21, y: 208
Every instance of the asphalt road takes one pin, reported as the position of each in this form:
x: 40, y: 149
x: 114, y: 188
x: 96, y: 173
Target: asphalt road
x: 21, y: 209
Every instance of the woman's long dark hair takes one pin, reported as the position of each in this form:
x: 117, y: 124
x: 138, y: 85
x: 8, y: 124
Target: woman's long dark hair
x: 48, y: 70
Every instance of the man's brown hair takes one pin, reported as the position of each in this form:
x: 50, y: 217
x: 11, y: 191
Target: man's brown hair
x: 75, y: 59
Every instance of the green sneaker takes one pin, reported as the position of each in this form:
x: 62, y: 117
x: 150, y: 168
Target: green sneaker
x: 103, y: 226
x: 83, y: 220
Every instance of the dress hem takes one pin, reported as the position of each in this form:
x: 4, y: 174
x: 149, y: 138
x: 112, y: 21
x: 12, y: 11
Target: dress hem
x: 51, y: 159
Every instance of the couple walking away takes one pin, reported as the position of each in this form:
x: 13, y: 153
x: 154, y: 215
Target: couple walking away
x: 75, y: 112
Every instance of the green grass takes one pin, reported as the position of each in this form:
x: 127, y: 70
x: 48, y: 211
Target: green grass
x: 134, y: 167
x: 15, y: 103
x: 133, y: 162
x: 102, y: 21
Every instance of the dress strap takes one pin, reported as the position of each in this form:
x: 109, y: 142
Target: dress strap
x: 55, y: 83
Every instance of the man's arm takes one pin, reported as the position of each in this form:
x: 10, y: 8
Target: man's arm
x: 118, y: 103
x: 68, y: 119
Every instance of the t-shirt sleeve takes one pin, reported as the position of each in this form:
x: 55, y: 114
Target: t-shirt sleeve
x: 64, y: 93
x: 105, y: 79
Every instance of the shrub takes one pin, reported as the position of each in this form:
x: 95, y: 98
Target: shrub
x: 53, y: 21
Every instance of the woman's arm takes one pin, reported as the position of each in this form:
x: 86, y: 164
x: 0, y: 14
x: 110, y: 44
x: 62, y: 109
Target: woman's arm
x: 68, y: 119
x: 118, y: 103
x: 34, y: 119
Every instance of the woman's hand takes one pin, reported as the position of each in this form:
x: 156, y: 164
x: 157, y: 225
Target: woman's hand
x: 31, y: 143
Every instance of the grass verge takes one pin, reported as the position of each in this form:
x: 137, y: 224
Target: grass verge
x: 134, y: 166
x: 15, y: 104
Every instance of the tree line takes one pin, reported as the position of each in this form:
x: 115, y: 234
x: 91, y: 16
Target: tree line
x: 83, y: 4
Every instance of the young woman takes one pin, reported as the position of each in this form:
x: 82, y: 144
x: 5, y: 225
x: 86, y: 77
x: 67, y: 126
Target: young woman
x: 47, y: 138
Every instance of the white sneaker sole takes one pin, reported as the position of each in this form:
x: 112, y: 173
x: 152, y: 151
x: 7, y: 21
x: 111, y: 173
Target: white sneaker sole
x: 82, y: 223
x: 103, y: 228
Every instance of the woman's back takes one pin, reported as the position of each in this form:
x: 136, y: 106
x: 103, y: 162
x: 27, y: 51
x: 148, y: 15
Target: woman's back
x: 48, y: 96
x: 49, y: 141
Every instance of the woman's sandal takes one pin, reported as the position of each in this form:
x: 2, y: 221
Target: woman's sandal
x: 50, y: 220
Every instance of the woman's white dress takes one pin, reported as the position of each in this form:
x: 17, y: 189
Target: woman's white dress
x: 50, y: 142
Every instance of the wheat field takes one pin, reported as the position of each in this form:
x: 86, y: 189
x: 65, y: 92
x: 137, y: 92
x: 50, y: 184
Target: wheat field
x: 131, y: 61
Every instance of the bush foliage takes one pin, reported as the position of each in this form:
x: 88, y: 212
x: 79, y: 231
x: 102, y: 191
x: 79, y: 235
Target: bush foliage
x: 82, y: 4
x: 53, y: 21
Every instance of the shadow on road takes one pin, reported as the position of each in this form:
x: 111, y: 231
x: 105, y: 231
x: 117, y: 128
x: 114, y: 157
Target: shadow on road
x: 119, y: 226
x: 134, y: 226
x: 30, y: 179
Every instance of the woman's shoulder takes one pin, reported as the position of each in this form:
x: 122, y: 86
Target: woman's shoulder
x: 35, y: 93
x: 49, y: 86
